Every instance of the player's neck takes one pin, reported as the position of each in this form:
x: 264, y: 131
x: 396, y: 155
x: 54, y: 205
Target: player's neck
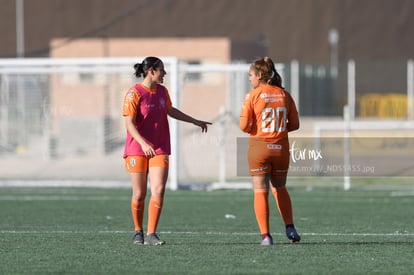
x: 148, y: 84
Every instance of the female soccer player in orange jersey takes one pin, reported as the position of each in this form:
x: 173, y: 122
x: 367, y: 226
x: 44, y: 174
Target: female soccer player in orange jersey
x: 147, y: 147
x: 268, y: 114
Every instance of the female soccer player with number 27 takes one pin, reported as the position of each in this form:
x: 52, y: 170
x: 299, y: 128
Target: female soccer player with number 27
x: 268, y: 114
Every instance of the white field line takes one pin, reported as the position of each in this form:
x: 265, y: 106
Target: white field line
x: 62, y: 198
x: 66, y: 183
x: 395, y: 234
x: 406, y: 193
x: 402, y: 193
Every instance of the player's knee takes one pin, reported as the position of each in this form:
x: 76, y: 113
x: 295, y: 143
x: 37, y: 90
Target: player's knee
x: 278, y: 182
x: 280, y: 188
x: 158, y: 191
x: 138, y: 196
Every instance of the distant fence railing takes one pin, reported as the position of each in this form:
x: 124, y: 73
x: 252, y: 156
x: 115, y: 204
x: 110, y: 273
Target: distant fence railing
x: 53, y: 108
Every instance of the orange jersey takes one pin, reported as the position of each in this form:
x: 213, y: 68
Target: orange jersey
x: 269, y: 112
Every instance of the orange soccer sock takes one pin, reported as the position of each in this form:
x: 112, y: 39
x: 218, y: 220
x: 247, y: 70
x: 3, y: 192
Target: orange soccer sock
x: 261, y: 209
x: 154, y: 213
x: 137, y: 210
x: 284, y: 204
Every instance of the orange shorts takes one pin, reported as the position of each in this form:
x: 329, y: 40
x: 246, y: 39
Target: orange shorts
x: 140, y: 164
x: 268, y: 158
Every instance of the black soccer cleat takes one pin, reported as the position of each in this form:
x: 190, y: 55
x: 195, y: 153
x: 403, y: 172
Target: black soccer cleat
x: 138, y: 237
x: 152, y: 239
x: 292, y: 235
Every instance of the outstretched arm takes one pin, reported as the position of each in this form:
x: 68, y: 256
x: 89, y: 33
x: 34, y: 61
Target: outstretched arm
x: 177, y: 114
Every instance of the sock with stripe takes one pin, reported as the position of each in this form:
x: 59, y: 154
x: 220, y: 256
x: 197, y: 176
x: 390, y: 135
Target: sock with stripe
x: 154, y: 213
x: 284, y: 204
x: 137, y: 210
x: 261, y: 210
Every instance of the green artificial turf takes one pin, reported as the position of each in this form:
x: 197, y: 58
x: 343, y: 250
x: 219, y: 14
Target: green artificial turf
x: 89, y: 231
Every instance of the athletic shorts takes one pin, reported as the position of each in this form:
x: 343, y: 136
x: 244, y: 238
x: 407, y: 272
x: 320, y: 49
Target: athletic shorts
x: 268, y: 158
x: 140, y: 164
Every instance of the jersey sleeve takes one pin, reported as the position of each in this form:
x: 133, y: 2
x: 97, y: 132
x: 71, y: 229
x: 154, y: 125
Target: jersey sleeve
x: 131, y: 101
x: 246, y: 114
x: 167, y: 96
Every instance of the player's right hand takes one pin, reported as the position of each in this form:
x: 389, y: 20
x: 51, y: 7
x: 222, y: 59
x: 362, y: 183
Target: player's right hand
x: 148, y: 150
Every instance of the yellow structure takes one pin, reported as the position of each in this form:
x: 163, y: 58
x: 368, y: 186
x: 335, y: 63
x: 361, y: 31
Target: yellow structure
x: 383, y: 105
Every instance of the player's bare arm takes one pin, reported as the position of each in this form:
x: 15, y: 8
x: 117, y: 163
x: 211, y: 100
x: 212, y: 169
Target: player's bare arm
x: 146, y: 148
x: 292, y: 125
x: 245, y: 124
x: 177, y: 114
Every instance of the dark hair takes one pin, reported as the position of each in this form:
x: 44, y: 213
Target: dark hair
x: 141, y: 69
x: 266, y: 68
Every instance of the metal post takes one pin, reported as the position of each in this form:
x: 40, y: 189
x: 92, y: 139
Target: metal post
x: 410, y: 89
x: 4, y: 109
x: 20, y: 28
x: 222, y: 146
x: 351, y: 89
x: 333, y: 39
x: 107, y: 122
x: 20, y: 92
x: 347, y: 158
x: 294, y: 85
x: 174, y: 167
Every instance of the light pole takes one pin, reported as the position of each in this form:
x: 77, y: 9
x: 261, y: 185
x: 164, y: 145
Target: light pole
x: 20, y: 28
x: 19, y: 85
x: 333, y: 39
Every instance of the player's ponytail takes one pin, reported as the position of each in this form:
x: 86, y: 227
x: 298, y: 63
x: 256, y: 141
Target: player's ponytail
x: 139, y: 70
x: 275, y: 78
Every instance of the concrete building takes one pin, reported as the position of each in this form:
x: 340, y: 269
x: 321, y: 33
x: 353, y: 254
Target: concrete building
x: 296, y: 29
